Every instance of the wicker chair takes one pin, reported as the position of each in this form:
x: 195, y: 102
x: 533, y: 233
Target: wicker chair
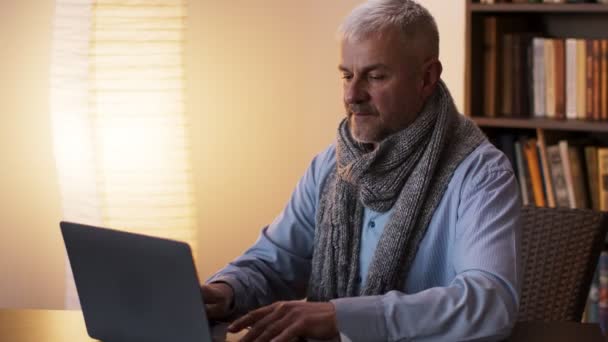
x: 560, y: 249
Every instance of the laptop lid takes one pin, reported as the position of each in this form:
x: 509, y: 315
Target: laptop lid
x: 134, y: 287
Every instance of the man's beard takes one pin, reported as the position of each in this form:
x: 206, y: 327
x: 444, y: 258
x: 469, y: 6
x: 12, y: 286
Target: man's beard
x: 367, y: 140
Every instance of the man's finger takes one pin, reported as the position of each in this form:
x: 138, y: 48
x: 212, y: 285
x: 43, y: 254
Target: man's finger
x: 275, y: 328
x: 263, y: 325
x: 249, y: 319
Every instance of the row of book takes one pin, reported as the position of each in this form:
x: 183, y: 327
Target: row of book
x: 566, y: 174
x: 543, y: 1
x: 570, y: 78
x: 526, y: 75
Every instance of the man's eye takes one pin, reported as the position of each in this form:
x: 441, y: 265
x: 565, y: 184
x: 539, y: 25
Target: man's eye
x: 347, y: 76
x: 376, y: 77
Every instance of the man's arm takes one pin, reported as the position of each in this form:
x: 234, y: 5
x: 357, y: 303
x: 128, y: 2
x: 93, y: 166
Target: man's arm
x: 277, y: 266
x: 481, y: 302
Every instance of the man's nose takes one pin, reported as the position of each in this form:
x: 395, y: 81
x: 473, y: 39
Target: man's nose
x: 355, y: 92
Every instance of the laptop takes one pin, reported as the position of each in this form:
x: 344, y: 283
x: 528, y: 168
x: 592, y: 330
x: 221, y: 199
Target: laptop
x: 134, y: 287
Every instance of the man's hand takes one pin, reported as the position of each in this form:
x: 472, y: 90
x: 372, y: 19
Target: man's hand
x: 286, y: 321
x: 218, y: 298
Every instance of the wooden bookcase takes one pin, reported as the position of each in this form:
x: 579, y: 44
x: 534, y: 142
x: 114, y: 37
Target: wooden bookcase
x: 587, y: 20
x: 581, y: 21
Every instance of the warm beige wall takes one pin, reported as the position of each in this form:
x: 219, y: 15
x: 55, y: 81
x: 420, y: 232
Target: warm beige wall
x: 31, y: 251
x: 264, y: 99
x: 450, y: 17
x: 263, y: 82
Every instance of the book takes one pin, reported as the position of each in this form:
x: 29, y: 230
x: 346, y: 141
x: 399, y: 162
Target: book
x: 520, y: 74
x: 524, y: 88
x: 549, y: 78
x: 559, y: 78
x: 532, y: 160
x: 602, y: 160
x: 571, y: 78
x: 507, y: 75
x: 596, y: 80
x: 546, y: 172
x: 538, y: 76
x: 603, y: 86
x: 492, y: 60
x: 565, y: 157
x: 589, y: 79
x: 517, y: 74
x: 581, y: 81
x: 578, y: 183
x: 558, y: 178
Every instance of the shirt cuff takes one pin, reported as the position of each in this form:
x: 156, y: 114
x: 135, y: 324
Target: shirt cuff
x: 238, y: 307
x: 361, y: 318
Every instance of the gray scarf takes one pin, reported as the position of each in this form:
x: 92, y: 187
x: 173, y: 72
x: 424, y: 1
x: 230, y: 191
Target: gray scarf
x: 409, y: 170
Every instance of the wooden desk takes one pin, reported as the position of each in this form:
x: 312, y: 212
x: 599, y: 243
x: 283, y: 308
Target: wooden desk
x: 62, y: 326
x: 58, y: 326
x: 556, y: 332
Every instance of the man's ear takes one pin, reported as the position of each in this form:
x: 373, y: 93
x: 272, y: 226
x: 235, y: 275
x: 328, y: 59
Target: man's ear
x: 432, y: 74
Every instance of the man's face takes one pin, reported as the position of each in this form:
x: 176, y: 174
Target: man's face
x: 382, y: 86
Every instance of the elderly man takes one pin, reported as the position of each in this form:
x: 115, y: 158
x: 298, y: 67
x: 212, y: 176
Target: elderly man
x: 406, y: 227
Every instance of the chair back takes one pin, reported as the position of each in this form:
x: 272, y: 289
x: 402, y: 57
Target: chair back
x: 560, y: 249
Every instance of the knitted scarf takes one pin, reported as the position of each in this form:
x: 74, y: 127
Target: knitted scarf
x: 408, y: 170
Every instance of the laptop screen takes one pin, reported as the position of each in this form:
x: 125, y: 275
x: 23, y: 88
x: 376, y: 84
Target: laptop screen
x: 134, y: 287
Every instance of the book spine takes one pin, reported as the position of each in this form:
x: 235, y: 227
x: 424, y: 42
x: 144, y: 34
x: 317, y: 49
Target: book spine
x: 564, y: 154
x: 589, y: 82
x: 549, y: 78
x: 490, y: 66
x: 596, y: 80
x: 560, y: 78
x: 539, y: 77
x: 544, y: 162
x: 557, y: 176
x: 576, y: 169
x: 602, y: 159
x: 531, y: 155
x: 604, y: 79
x: 517, y: 72
x: 571, y: 79
x: 507, y: 75
x: 581, y: 82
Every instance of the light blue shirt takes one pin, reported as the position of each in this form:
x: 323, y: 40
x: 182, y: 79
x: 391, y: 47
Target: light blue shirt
x: 465, y: 279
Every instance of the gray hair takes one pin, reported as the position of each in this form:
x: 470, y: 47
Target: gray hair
x: 413, y: 20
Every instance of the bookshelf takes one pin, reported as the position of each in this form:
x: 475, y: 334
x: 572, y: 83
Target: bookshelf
x: 502, y: 96
x: 583, y: 20
x: 588, y: 21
